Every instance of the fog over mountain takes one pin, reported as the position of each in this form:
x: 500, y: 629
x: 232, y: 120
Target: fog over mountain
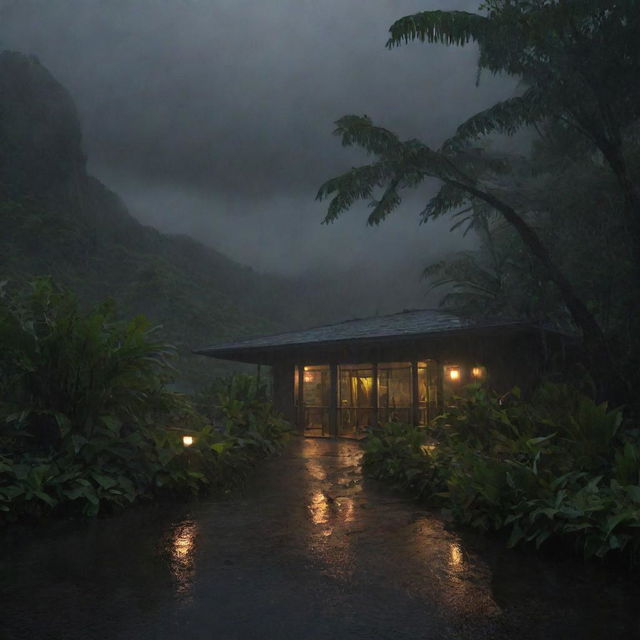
x: 213, y: 118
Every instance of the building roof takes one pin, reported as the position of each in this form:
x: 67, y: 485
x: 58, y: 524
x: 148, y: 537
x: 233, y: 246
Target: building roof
x: 407, y: 324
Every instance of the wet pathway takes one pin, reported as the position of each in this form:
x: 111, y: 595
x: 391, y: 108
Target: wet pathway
x: 307, y: 550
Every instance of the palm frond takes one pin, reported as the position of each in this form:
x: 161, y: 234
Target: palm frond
x: 356, y: 184
x: 360, y: 131
x: 383, y: 207
x: 447, y: 198
x: 504, y: 117
x: 444, y: 27
x: 400, y: 164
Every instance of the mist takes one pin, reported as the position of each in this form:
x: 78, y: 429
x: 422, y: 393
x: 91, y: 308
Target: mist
x: 213, y: 118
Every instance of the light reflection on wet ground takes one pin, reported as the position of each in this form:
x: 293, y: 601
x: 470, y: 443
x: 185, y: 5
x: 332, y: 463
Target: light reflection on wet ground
x: 307, y: 550
x: 182, y: 561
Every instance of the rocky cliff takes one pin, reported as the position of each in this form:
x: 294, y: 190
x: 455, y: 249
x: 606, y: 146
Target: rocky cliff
x: 58, y: 220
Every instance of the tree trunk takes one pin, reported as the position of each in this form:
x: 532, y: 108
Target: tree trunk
x: 609, y: 382
x: 615, y: 158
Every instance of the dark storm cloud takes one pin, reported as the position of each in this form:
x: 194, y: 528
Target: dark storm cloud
x: 213, y: 117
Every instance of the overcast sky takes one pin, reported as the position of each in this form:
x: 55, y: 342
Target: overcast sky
x: 214, y: 117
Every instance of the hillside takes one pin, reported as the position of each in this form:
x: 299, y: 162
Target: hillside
x: 56, y: 219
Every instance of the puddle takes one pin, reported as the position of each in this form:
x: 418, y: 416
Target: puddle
x: 306, y: 550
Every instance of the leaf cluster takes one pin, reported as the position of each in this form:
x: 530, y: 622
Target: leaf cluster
x: 558, y: 467
x: 87, y: 423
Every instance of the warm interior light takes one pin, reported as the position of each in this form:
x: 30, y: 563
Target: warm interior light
x: 428, y: 448
x: 187, y: 441
x: 476, y: 372
x: 454, y: 374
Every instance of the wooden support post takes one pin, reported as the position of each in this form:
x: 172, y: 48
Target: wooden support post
x: 374, y: 394
x: 300, y: 416
x: 333, y: 399
x: 440, y: 385
x: 415, y: 398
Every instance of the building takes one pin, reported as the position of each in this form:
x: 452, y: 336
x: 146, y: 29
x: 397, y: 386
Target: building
x: 338, y: 379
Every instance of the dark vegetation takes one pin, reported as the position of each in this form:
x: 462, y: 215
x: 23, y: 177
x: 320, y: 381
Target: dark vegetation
x: 557, y: 467
x: 87, y: 423
x: 559, y: 229
x: 562, y: 220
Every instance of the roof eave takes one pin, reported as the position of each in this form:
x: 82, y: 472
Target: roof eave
x: 266, y: 354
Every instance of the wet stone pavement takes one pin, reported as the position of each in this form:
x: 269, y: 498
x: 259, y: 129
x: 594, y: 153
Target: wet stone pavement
x: 307, y: 550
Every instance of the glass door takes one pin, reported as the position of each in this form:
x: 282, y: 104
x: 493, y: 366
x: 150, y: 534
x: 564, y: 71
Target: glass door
x: 356, y: 408
x: 427, y: 391
x: 316, y: 389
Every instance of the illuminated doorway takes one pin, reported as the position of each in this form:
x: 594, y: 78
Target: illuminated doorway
x: 428, y: 391
x: 314, y: 406
x: 356, y: 401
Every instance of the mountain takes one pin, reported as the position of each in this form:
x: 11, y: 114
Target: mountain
x: 58, y: 220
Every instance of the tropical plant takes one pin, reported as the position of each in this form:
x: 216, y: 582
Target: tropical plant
x: 87, y: 423
x: 500, y: 278
x: 561, y: 52
x: 66, y: 373
x: 240, y: 407
x: 577, y: 61
x: 556, y: 467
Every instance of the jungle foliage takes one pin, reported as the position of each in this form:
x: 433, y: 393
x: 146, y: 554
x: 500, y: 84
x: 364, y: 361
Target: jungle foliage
x: 558, y: 467
x: 87, y: 423
x: 577, y: 63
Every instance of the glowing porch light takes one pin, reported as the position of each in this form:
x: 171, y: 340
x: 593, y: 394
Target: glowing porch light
x: 187, y: 441
x: 477, y: 372
x: 454, y: 374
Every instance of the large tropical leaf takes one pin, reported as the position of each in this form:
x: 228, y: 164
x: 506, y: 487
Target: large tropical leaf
x: 445, y: 27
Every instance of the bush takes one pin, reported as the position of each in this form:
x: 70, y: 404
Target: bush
x: 240, y: 407
x: 398, y: 453
x: 87, y: 423
x: 556, y: 467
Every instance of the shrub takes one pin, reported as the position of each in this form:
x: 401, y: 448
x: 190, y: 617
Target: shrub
x: 240, y: 407
x: 556, y: 467
x: 66, y: 374
x: 399, y: 453
x: 87, y: 423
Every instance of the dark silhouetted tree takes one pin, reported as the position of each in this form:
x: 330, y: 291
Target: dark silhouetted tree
x: 573, y: 76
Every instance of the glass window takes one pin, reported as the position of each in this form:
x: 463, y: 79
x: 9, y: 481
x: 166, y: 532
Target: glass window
x: 394, y: 392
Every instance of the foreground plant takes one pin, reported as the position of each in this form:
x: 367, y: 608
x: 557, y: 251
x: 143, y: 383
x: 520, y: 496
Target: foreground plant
x: 87, y: 423
x: 558, y: 467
